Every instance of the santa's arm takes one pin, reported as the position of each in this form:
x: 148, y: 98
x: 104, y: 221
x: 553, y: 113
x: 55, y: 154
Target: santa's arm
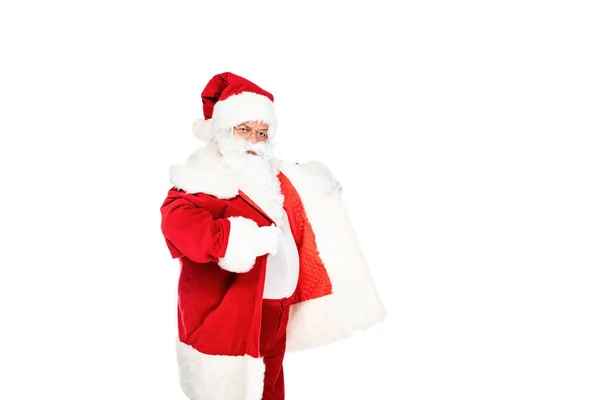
x: 234, y: 243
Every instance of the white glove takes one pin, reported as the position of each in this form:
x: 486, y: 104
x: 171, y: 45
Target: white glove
x: 327, y: 181
x: 335, y: 186
x: 269, y: 239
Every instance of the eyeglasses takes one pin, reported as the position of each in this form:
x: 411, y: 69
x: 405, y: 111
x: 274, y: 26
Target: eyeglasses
x: 245, y: 131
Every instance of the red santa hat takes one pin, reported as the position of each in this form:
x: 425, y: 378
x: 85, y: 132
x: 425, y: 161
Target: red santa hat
x: 229, y: 100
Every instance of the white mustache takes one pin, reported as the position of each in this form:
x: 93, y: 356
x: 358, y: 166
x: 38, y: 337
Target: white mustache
x: 258, y: 148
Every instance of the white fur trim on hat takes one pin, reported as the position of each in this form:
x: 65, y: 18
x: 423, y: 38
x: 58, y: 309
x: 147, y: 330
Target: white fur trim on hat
x: 242, y: 107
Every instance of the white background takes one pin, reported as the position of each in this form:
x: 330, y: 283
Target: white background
x: 465, y: 135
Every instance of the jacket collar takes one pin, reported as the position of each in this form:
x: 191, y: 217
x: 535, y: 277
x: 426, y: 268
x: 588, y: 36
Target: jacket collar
x: 205, y: 173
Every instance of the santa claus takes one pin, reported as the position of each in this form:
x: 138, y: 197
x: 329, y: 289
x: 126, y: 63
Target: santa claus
x: 269, y: 259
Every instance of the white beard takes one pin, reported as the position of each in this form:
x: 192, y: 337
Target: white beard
x: 256, y: 174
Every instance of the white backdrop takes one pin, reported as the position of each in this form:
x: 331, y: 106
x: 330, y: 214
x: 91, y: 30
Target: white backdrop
x: 465, y: 135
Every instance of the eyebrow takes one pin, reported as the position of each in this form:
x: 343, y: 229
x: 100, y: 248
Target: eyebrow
x: 247, y: 126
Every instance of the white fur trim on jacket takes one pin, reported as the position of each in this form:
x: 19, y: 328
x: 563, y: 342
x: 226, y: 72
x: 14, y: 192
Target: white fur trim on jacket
x: 243, y: 245
x: 355, y: 303
x: 205, y: 173
x: 211, y: 377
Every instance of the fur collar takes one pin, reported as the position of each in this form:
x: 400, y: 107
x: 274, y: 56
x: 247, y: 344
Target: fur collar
x: 205, y: 172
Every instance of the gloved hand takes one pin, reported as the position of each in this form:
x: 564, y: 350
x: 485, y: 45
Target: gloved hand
x: 328, y: 182
x: 269, y: 239
x: 335, y: 186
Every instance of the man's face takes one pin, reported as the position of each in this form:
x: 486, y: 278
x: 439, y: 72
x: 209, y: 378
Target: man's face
x: 252, y: 131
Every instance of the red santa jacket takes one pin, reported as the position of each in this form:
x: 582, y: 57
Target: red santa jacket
x: 219, y: 303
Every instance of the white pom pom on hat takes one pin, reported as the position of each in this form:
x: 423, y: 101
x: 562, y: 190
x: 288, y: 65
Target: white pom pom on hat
x: 229, y: 100
x: 202, y: 129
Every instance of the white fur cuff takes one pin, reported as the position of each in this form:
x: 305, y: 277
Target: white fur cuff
x: 242, y: 247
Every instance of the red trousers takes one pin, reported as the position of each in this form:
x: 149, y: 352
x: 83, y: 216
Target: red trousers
x: 272, y: 345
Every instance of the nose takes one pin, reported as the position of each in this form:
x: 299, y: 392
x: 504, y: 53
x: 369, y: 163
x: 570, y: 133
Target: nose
x: 252, y: 139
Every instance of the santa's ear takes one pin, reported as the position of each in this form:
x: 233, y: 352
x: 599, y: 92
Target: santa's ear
x: 202, y: 129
